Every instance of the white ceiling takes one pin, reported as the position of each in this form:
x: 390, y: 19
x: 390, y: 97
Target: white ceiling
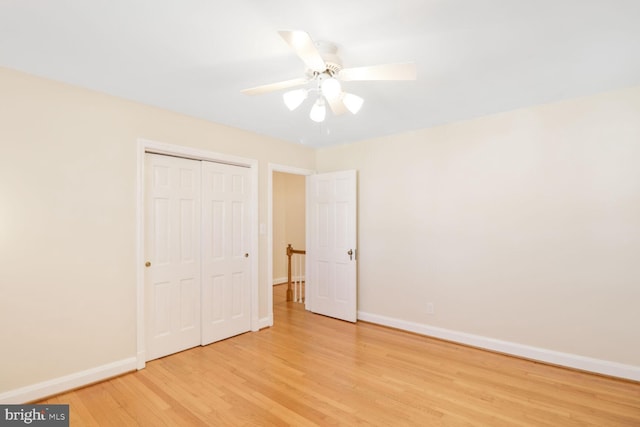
x: 474, y: 57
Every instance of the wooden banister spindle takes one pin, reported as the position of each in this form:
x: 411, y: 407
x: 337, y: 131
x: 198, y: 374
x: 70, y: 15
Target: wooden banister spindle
x: 290, y: 252
x: 289, y: 290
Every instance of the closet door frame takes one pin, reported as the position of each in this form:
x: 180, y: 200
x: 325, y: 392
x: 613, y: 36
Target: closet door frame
x: 149, y: 146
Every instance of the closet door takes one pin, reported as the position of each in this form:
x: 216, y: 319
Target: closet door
x: 226, y: 302
x: 172, y: 246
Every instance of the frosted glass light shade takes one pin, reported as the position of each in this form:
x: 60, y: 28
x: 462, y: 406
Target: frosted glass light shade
x: 294, y: 98
x: 331, y: 88
x: 318, y: 111
x: 352, y: 102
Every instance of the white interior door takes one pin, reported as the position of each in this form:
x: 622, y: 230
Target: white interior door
x: 197, y: 239
x: 331, y: 245
x: 226, y: 280
x: 172, y: 241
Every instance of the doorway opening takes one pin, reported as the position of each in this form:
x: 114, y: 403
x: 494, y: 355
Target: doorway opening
x: 286, y: 225
x: 331, y: 237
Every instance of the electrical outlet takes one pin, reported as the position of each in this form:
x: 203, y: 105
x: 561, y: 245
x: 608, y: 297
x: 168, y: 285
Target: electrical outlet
x: 430, y: 308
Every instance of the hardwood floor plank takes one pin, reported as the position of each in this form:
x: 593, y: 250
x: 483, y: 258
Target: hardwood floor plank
x: 310, y: 370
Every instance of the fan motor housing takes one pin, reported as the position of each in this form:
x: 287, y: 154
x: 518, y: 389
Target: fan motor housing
x: 329, y: 52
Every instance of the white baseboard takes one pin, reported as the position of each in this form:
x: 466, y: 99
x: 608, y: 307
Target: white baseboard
x: 141, y: 360
x: 68, y: 382
x: 279, y: 280
x: 100, y: 373
x: 265, y: 322
x: 283, y: 280
x: 574, y: 361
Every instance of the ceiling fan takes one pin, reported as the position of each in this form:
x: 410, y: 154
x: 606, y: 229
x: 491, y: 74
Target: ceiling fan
x: 324, y: 74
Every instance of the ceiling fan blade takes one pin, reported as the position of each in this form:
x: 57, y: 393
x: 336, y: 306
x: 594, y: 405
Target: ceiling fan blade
x: 258, y: 90
x: 336, y: 104
x: 401, y: 71
x: 303, y: 46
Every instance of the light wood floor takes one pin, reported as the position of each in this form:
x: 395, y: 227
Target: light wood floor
x: 312, y: 370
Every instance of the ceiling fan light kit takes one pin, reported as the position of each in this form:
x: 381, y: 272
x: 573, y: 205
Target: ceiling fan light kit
x: 318, y: 111
x: 324, y: 69
x: 294, y: 98
x: 352, y: 102
x: 331, y: 87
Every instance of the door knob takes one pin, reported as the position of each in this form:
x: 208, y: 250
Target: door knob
x: 350, y: 253
x: 147, y: 264
x: 246, y: 255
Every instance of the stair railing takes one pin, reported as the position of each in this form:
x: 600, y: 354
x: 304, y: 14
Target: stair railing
x: 295, y: 279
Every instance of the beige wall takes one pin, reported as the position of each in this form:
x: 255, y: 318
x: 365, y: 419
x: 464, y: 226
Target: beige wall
x: 288, y: 219
x: 68, y: 220
x: 522, y: 226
